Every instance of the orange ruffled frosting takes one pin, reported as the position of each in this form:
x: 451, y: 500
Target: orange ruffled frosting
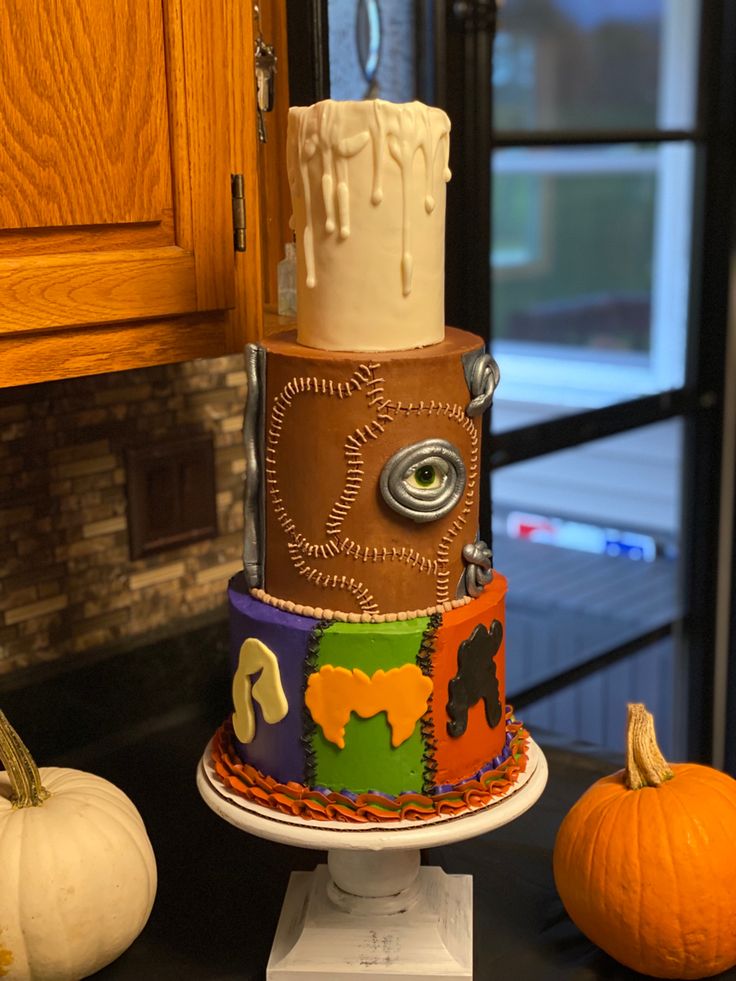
x: 313, y: 805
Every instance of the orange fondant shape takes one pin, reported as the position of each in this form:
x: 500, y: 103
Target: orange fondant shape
x: 333, y: 693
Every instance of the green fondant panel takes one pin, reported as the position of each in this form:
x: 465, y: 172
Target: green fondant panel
x: 369, y: 761
x: 370, y: 646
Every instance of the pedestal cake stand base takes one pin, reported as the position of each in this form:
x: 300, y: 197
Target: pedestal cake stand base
x: 372, y: 910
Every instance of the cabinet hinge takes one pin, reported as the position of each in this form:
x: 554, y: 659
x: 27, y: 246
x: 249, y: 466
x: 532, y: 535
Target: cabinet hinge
x: 237, y: 189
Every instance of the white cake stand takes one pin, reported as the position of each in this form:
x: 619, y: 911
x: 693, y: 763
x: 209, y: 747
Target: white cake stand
x: 372, y: 910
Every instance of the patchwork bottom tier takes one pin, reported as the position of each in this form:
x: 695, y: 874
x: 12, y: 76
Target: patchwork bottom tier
x: 408, y: 707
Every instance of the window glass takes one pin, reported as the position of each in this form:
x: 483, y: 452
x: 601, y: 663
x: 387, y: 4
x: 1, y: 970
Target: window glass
x: 372, y: 51
x: 590, y: 271
x: 592, y: 712
x: 572, y: 248
x: 589, y: 539
x: 580, y: 64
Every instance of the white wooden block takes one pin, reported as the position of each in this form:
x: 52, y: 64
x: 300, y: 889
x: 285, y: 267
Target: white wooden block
x: 317, y: 941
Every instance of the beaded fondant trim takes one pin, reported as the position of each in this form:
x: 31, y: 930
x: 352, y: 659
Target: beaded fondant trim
x: 314, y: 804
x: 323, y: 614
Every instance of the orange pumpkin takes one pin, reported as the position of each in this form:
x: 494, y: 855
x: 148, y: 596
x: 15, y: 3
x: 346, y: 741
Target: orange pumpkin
x: 645, y: 862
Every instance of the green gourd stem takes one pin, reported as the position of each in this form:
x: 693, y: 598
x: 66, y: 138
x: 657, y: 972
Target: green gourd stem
x: 645, y: 765
x: 25, y: 780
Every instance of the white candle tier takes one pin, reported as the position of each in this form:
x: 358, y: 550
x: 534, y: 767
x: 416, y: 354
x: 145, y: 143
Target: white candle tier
x: 368, y: 194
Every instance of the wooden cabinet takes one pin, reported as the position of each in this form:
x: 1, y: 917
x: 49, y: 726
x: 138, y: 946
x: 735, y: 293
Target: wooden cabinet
x: 121, y: 123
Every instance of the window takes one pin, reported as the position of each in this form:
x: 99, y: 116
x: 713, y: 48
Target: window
x: 602, y: 175
x: 592, y: 239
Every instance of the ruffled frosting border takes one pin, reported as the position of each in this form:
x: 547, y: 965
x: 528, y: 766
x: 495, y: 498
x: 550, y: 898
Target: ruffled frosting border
x: 312, y: 804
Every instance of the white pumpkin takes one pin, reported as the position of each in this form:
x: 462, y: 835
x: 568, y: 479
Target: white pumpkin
x: 77, y: 871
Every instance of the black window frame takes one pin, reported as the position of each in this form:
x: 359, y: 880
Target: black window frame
x: 468, y: 31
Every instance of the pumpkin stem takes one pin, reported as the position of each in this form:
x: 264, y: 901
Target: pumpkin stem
x: 25, y: 780
x: 645, y: 765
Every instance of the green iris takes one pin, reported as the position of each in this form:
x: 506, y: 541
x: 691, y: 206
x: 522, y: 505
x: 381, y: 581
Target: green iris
x: 425, y: 476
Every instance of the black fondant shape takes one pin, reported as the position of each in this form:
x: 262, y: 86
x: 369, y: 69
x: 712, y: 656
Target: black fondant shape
x: 475, y: 678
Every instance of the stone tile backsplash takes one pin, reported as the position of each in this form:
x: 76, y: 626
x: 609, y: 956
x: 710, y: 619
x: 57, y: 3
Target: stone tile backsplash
x: 67, y: 584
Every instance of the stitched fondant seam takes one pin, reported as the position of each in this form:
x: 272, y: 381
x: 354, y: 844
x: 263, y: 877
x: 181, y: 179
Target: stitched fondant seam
x: 311, y: 664
x: 425, y: 661
x: 443, y: 549
x: 362, y: 376
x: 409, y: 555
x: 354, y: 479
x: 456, y: 413
x: 358, y: 590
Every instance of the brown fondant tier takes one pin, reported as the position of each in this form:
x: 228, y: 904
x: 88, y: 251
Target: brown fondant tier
x: 315, y: 805
x: 333, y: 421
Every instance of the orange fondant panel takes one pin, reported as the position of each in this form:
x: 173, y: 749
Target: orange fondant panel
x: 333, y: 693
x: 459, y: 757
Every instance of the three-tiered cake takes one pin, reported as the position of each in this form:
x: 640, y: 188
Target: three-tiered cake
x: 367, y: 628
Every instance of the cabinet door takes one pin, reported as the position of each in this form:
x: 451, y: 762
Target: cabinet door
x: 119, y: 129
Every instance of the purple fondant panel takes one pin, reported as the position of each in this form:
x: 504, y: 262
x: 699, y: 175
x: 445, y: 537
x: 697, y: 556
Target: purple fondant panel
x: 277, y: 750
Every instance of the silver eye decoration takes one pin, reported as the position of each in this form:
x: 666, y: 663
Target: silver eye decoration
x: 482, y: 375
x: 423, y: 481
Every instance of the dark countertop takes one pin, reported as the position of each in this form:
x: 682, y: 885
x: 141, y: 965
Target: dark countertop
x: 143, y: 719
x: 220, y: 890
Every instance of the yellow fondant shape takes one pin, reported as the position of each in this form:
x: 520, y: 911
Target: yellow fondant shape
x: 268, y: 691
x: 333, y: 693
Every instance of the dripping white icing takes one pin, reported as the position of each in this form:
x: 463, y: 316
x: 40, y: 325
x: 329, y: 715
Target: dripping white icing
x: 337, y: 131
